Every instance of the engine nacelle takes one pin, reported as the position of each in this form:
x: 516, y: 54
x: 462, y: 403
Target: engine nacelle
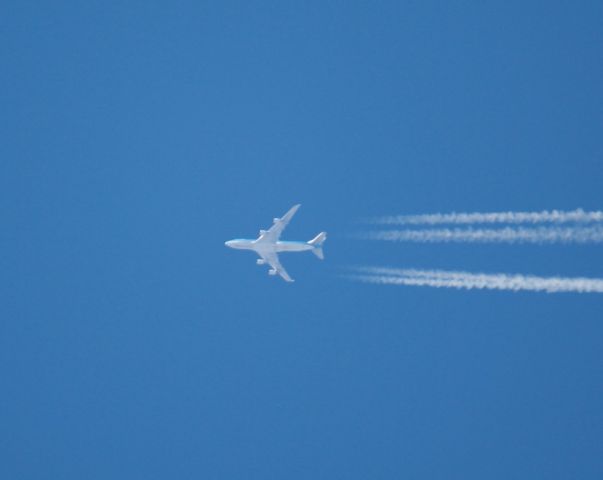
x: 260, y: 261
x: 262, y: 232
x: 272, y: 271
x: 276, y: 220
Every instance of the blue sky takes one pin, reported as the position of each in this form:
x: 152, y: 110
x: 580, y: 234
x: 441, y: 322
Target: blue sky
x: 138, y: 137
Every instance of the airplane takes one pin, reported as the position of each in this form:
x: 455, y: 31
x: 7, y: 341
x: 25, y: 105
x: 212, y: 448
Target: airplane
x: 268, y: 245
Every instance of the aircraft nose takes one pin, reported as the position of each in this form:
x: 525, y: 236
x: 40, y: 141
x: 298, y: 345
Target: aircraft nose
x: 228, y: 243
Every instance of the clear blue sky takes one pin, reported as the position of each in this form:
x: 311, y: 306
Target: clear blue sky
x: 136, y: 137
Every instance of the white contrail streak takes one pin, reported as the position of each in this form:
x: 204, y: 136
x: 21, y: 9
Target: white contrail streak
x: 553, y: 216
x: 466, y: 280
x: 486, y: 235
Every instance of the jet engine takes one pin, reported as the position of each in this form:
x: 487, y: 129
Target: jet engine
x: 262, y: 232
x: 260, y: 261
x: 272, y: 271
x: 276, y: 220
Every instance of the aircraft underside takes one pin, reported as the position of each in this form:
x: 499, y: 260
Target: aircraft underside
x: 268, y: 246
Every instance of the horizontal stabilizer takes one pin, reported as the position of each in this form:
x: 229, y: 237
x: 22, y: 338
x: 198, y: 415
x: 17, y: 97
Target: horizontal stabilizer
x: 317, y: 242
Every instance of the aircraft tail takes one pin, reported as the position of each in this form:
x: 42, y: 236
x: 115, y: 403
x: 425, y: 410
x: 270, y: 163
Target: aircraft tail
x: 317, y: 242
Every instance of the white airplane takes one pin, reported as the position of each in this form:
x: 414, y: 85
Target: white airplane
x: 268, y: 245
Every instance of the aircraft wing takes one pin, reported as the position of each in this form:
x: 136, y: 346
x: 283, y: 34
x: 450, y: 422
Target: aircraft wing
x: 272, y: 259
x: 274, y: 233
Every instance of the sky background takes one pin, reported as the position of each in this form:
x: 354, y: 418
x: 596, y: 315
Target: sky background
x: 136, y: 137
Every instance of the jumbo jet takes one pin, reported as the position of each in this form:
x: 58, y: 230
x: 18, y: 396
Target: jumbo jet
x: 268, y: 245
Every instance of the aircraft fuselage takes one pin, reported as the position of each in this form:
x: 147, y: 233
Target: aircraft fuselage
x: 258, y: 246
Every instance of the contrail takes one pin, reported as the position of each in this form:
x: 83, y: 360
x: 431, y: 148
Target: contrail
x: 553, y: 216
x: 467, y: 280
x: 486, y: 235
